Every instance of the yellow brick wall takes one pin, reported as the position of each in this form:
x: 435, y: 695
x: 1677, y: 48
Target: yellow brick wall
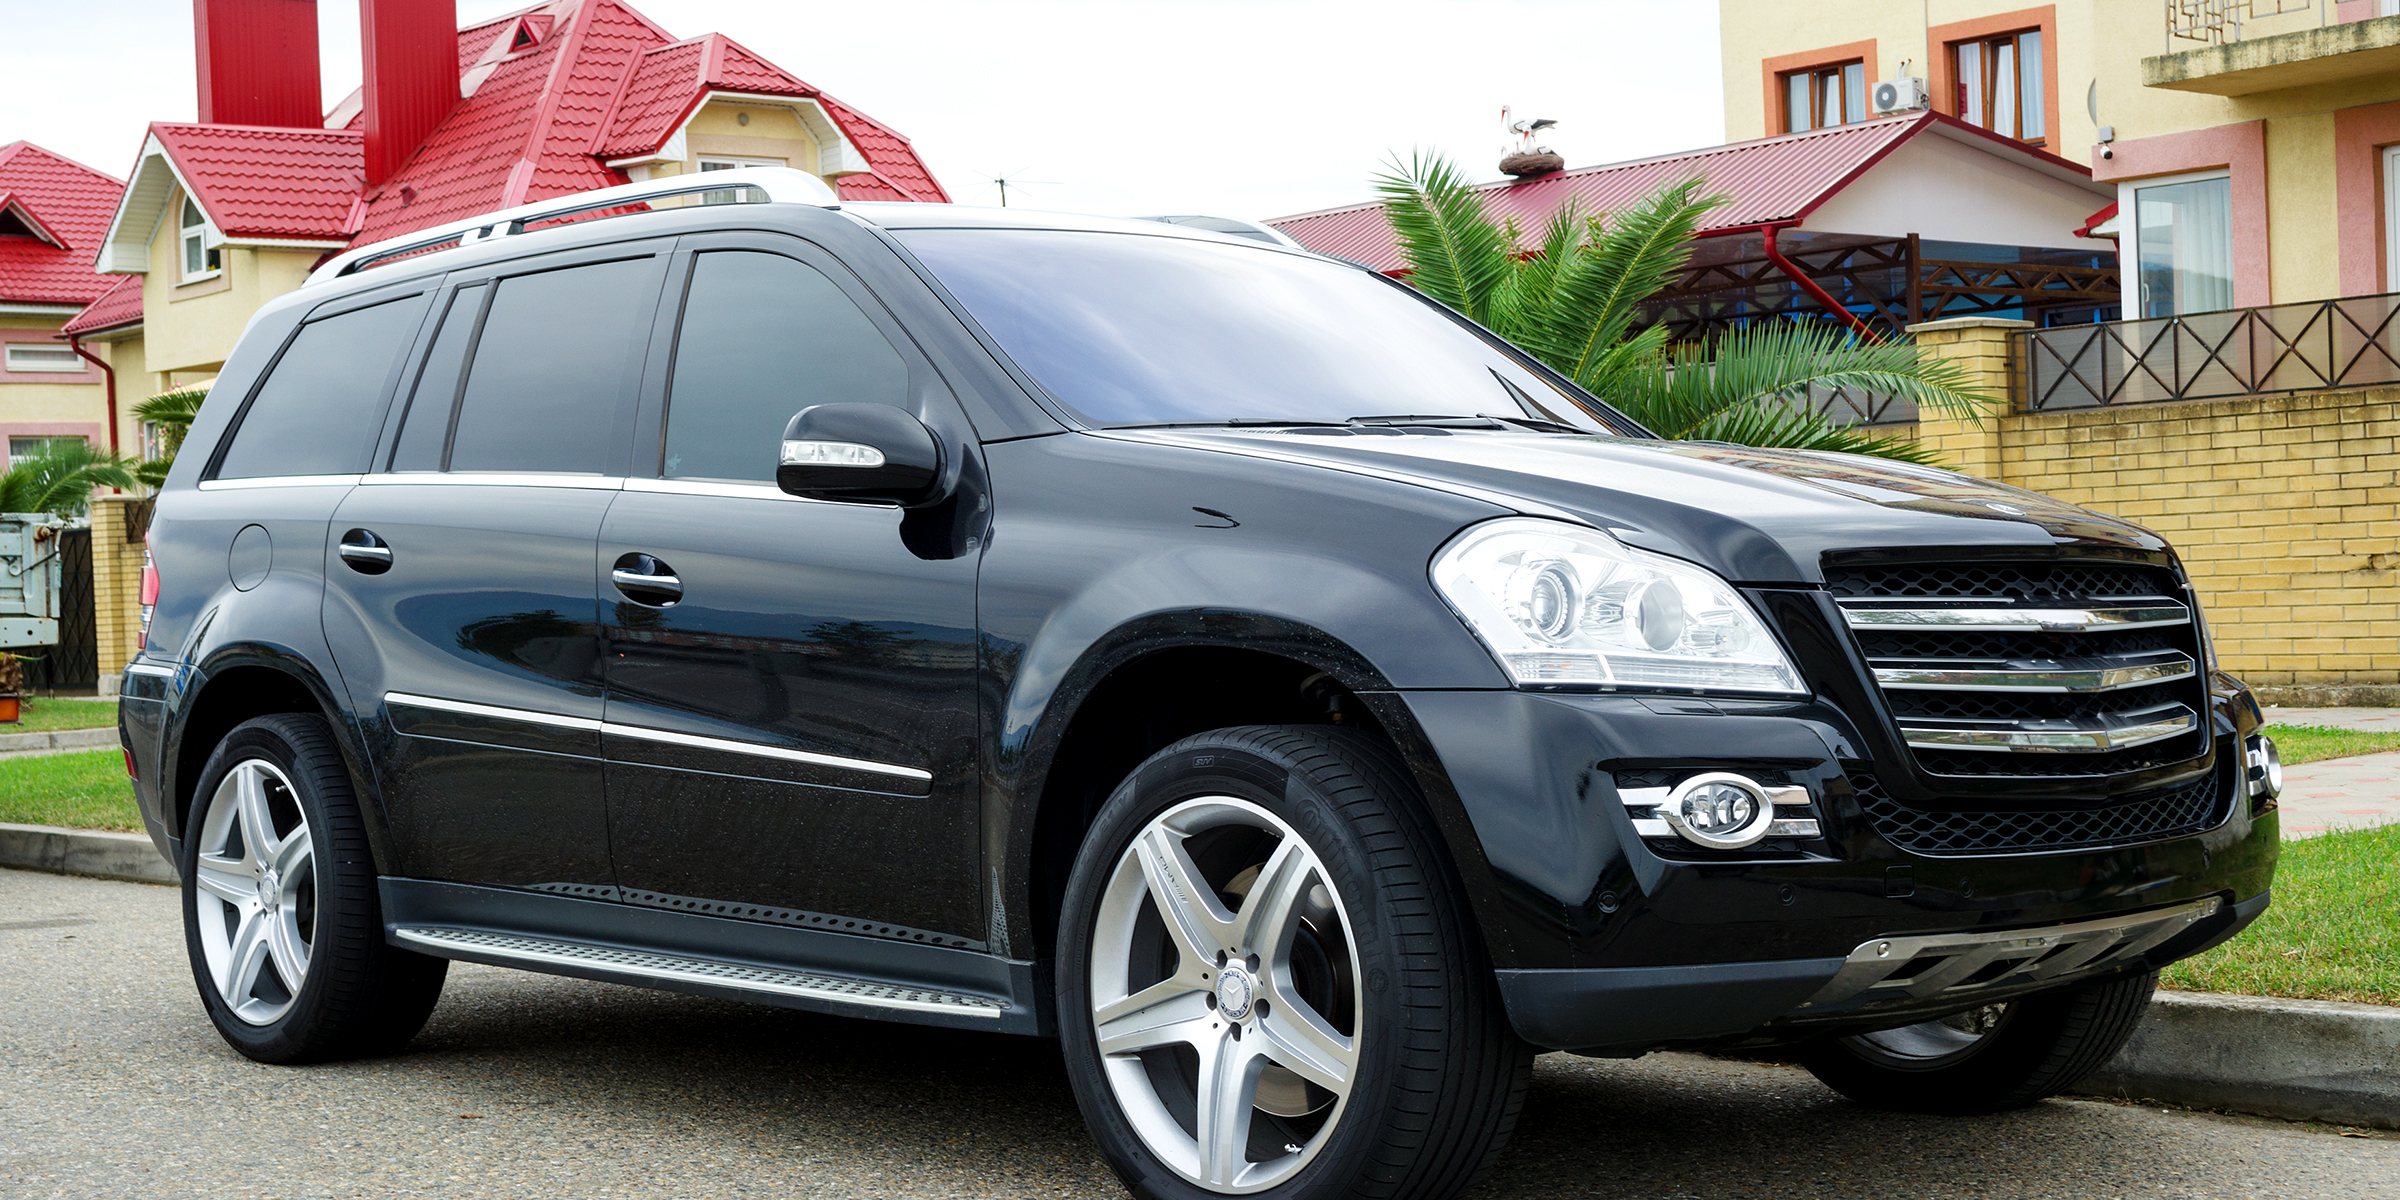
x: 2285, y: 509
x: 116, y: 587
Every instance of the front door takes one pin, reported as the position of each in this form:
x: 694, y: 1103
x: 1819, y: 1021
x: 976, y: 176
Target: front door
x: 791, y: 707
x: 463, y: 602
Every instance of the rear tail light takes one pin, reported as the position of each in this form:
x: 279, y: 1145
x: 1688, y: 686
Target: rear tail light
x: 149, y: 595
x: 130, y: 773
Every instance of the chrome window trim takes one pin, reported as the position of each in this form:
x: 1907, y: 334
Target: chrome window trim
x: 597, y: 483
x: 265, y: 481
x: 527, y: 715
x: 647, y: 734
x: 2035, y: 679
x: 1995, y: 619
x: 698, y: 742
x: 723, y: 489
x: 2089, y: 739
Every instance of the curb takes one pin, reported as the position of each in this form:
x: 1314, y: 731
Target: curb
x: 2328, y: 695
x: 62, y: 739
x: 127, y: 856
x: 2310, y: 1060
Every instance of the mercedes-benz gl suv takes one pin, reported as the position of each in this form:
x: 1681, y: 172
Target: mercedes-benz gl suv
x: 1294, y: 699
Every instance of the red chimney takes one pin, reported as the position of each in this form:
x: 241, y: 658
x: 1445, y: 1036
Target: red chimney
x: 411, y: 50
x: 258, y: 62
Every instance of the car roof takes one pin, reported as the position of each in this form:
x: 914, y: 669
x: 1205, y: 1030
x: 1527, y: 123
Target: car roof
x: 897, y: 215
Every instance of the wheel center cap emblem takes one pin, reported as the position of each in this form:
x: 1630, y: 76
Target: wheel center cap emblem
x: 268, y: 887
x: 1234, y: 991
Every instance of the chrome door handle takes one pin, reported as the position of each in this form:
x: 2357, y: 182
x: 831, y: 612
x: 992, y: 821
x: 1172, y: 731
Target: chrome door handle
x: 656, y: 583
x: 645, y: 580
x: 364, y: 552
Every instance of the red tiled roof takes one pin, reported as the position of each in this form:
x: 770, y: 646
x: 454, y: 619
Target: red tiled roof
x: 72, y: 203
x: 121, y: 304
x: 894, y: 160
x: 260, y: 182
x: 1771, y: 180
x: 659, y: 92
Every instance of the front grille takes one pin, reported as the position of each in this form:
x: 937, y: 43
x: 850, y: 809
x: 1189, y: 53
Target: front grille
x: 2035, y: 669
x: 2174, y: 812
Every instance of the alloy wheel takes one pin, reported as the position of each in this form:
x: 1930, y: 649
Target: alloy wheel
x: 1940, y: 1042
x: 254, y: 885
x: 1225, y: 993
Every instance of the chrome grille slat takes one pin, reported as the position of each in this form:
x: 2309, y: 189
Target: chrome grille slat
x: 2082, y: 675
x: 1994, y: 618
x: 2055, y: 737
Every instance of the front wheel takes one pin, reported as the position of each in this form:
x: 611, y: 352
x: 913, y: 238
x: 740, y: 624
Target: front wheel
x: 1987, y: 1059
x: 1269, y: 981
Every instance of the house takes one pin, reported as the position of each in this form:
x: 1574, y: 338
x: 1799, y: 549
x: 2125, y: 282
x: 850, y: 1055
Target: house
x: 2251, y: 146
x: 227, y: 212
x: 53, y: 212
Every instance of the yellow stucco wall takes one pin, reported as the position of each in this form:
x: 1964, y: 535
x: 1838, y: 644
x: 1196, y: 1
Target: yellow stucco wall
x: 772, y: 133
x: 193, y: 326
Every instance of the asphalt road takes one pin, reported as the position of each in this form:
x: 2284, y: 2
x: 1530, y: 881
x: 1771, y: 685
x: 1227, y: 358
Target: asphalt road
x: 113, y: 1084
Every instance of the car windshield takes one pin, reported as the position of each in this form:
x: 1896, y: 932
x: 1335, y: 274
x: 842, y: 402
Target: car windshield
x: 1130, y: 330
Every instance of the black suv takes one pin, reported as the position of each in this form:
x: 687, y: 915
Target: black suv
x: 1295, y: 699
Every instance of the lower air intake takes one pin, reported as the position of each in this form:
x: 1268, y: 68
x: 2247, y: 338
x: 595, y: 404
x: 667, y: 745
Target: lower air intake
x: 2186, y: 809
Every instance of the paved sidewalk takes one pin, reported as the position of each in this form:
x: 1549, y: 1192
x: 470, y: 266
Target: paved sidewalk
x: 2340, y: 793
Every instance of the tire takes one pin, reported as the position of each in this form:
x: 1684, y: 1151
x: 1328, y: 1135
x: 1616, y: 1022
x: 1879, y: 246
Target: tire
x: 1999, y: 1057
x: 1359, y: 965
x: 255, y: 915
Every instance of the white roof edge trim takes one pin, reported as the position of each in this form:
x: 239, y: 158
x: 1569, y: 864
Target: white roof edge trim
x: 2024, y: 156
x: 113, y: 261
x: 782, y: 185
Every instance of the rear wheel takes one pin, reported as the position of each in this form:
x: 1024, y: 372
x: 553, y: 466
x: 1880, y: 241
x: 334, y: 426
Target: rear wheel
x: 1269, y: 983
x: 1990, y: 1058
x: 281, y: 918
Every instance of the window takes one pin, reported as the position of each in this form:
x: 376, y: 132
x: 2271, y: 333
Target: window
x: 200, y: 260
x: 1137, y: 330
x: 425, y: 428
x: 22, y: 448
x: 315, y: 413
x: 1825, y: 97
x: 763, y: 337
x: 22, y: 357
x: 1999, y: 84
x: 2391, y: 218
x: 735, y: 195
x: 552, y: 360
x: 2183, y: 243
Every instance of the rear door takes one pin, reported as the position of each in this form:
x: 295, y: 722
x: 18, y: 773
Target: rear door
x: 464, y: 605
x: 791, y: 733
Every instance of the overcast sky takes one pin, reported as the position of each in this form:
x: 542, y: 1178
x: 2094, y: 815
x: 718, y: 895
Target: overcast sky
x: 1246, y: 108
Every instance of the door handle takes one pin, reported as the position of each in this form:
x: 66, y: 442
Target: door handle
x: 646, y: 580
x: 365, y: 553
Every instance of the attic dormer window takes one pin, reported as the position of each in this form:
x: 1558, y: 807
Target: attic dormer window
x: 200, y: 260
x: 525, y: 36
x: 12, y: 225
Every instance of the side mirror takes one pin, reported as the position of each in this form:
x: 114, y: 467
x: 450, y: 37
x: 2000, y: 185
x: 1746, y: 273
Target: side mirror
x: 870, y: 452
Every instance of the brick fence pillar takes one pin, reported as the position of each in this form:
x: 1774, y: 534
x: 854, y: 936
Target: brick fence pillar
x: 1984, y: 346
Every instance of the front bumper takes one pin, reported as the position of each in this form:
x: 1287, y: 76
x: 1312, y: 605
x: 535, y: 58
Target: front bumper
x: 1603, y: 938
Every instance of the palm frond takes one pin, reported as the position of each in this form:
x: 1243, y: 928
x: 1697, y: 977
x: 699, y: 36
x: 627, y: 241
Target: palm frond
x: 1790, y: 427
x: 1634, y: 254
x: 172, y: 411
x: 1457, y: 254
x: 62, y: 480
x: 1750, y: 368
x: 1527, y: 292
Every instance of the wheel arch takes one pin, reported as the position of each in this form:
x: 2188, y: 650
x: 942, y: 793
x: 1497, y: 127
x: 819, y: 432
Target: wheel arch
x: 237, y: 683
x: 1218, y: 669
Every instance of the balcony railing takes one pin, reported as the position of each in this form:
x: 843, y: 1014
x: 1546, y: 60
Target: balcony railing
x: 2318, y: 346
x: 2216, y: 22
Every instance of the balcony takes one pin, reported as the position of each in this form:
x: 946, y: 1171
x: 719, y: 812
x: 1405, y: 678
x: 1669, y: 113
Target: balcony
x: 2323, y: 345
x: 2237, y: 59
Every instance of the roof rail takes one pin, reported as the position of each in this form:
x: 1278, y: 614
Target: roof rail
x: 780, y: 185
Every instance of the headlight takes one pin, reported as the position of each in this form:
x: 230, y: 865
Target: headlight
x: 1563, y: 604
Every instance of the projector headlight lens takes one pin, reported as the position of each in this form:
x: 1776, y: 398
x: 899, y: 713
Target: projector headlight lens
x: 1564, y: 604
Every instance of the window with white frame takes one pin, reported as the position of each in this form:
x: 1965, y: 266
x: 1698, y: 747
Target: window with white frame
x: 22, y: 448
x: 2391, y: 218
x: 34, y: 356
x: 200, y: 260
x: 716, y: 162
x: 2182, y: 241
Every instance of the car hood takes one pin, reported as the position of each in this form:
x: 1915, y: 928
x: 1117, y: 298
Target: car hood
x: 1751, y: 515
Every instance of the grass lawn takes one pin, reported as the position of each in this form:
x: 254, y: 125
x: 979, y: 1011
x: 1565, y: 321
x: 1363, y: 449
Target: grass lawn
x: 42, y: 716
x: 84, y: 790
x: 2309, y: 743
x: 2333, y: 932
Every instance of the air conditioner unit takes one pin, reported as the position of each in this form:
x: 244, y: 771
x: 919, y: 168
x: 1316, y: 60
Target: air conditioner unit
x: 1900, y: 95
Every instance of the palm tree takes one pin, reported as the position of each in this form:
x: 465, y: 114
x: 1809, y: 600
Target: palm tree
x: 1572, y: 300
x: 172, y: 412
x: 61, y: 481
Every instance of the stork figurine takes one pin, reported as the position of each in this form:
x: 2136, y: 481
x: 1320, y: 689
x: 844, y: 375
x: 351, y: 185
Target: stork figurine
x: 1528, y: 160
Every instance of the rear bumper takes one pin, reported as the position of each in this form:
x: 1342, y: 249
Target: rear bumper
x: 1881, y: 984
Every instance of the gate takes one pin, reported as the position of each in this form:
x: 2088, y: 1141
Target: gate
x: 74, y: 663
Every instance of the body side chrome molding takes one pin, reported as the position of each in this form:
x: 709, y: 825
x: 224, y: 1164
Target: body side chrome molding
x: 647, y: 734
x: 598, y: 483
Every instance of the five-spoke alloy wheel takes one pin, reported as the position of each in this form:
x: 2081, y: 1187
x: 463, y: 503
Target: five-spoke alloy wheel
x: 1269, y: 983
x: 255, y: 878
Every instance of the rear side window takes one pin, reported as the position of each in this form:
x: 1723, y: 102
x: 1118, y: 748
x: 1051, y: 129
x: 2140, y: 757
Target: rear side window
x: 550, y: 364
x: 425, y: 431
x: 311, y: 416
x: 763, y: 337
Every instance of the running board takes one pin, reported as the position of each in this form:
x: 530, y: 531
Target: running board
x: 656, y: 969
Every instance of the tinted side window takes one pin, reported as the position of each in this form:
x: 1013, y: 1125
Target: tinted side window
x: 549, y: 366
x: 425, y: 431
x: 311, y: 415
x: 763, y: 337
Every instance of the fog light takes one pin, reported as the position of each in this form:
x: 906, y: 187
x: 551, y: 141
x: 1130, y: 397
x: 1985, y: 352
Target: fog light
x: 2266, y: 767
x: 1719, y: 810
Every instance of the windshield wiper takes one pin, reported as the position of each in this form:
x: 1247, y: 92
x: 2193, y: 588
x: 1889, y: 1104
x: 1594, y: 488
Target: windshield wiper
x: 1536, y: 423
x: 1442, y: 421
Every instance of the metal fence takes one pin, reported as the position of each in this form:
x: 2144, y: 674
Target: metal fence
x: 2317, y: 346
x: 74, y: 663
